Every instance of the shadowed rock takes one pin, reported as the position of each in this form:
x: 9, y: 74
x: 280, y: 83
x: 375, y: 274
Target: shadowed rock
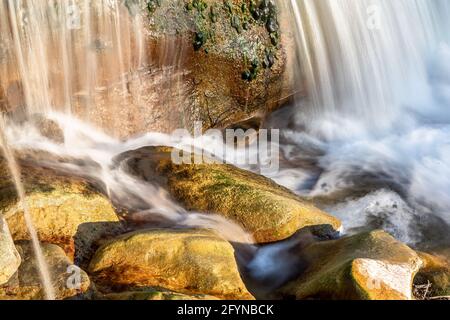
x: 436, y: 272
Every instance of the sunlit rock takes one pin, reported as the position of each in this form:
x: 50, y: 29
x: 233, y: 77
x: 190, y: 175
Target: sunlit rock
x: 371, y: 266
x: 9, y: 257
x: 259, y: 205
x: 65, y: 210
x: 186, y: 261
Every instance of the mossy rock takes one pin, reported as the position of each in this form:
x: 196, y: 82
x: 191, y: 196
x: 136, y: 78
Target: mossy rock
x: 66, y: 211
x: 9, y: 257
x: 26, y: 284
x: 367, y: 266
x: 436, y: 271
x: 223, y: 38
x: 185, y: 261
x: 267, y: 210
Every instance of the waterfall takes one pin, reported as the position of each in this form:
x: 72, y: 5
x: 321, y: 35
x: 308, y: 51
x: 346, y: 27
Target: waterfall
x: 74, y: 56
x: 367, y: 59
x: 370, y: 143
x: 376, y: 122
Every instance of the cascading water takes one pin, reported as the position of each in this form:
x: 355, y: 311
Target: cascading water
x: 81, y: 57
x: 370, y: 142
x: 368, y: 59
x: 377, y: 117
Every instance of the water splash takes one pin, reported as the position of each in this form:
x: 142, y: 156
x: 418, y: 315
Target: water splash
x: 376, y: 117
x: 88, y: 152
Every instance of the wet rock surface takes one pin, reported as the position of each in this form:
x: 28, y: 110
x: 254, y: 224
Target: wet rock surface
x: 66, y: 211
x: 263, y: 208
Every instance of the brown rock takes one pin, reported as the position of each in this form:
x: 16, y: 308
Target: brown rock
x: 436, y: 272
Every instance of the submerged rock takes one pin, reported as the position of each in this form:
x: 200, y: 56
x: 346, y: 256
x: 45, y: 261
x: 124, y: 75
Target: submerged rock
x: 68, y: 281
x: 9, y: 257
x: 267, y: 210
x: 65, y: 210
x: 186, y: 261
x: 372, y: 266
x: 435, y: 272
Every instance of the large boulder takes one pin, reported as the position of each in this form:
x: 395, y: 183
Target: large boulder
x: 267, y: 210
x: 213, y: 61
x: 69, y: 281
x: 9, y: 257
x: 186, y: 261
x: 434, y: 275
x: 371, y: 266
x: 65, y: 210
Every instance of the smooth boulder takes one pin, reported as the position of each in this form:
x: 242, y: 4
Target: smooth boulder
x: 186, y: 261
x: 9, y: 257
x: 267, y: 210
x: 367, y: 266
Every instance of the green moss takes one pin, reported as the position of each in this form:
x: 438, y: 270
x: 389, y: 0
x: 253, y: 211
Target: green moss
x: 199, y: 40
x: 213, y: 14
x: 242, y: 16
x: 253, y: 71
x: 236, y: 23
x: 228, y: 6
x: 152, y: 5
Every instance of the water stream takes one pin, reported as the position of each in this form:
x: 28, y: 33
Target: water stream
x: 370, y: 143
